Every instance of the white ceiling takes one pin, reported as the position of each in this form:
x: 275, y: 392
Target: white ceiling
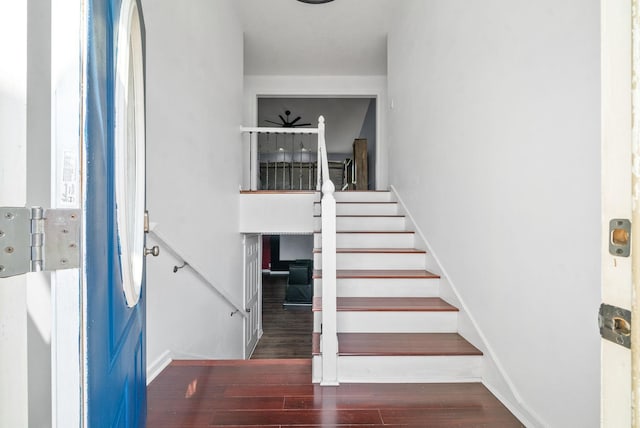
x: 287, y: 37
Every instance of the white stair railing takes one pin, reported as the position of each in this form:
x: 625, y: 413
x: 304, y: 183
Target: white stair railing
x: 329, y: 337
x: 254, y: 161
x: 197, y: 271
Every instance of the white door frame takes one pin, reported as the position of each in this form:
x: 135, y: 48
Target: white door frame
x: 326, y: 87
x: 67, y: 57
x: 617, y: 404
x: 381, y: 157
x: 65, y: 87
x: 635, y: 218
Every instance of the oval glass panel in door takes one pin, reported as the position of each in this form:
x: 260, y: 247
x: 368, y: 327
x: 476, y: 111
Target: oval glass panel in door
x: 130, y: 151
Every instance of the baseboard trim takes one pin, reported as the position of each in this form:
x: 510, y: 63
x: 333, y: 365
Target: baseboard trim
x: 156, y: 367
x: 521, y: 411
x: 519, y: 408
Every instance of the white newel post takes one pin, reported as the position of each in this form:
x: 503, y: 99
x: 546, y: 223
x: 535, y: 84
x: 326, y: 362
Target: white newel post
x: 329, y: 338
x: 329, y: 344
x: 255, y: 172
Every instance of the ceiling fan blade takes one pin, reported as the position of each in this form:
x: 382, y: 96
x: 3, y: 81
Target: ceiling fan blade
x: 293, y: 122
x: 300, y: 124
x: 275, y: 123
x: 282, y: 119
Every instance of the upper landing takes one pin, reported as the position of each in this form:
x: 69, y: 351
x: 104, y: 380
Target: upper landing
x: 292, y: 212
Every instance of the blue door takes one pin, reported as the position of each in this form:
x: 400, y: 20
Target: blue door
x: 113, y: 267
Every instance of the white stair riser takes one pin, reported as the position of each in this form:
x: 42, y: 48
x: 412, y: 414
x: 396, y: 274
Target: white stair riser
x: 404, y: 369
x: 362, y: 261
x: 369, y: 240
x: 361, y: 209
x: 373, y: 224
x: 363, y: 196
x: 383, y: 287
x: 392, y: 322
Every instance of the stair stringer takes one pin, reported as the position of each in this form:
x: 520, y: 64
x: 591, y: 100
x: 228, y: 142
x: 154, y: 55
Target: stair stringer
x: 493, y: 374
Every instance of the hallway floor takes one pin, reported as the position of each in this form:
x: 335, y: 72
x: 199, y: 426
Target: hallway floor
x: 287, y: 331
x: 279, y: 393
x: 269, y: 392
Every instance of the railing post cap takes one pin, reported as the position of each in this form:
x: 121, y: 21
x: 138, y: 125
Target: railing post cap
x: 328, y: 188
x: 321, y: 119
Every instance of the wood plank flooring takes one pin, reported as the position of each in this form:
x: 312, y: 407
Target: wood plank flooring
x: 353, y: 273
x: 388, y: 304
x: 278, y: 393
x: 416, y: 344
x: 375, y: 250
x: 287, y: 332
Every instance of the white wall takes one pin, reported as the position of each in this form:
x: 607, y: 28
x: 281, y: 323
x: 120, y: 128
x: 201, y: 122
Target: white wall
x: 495, y: 148
x: 323, y: 86
x: 194, y: 111
x: 276, y: 213
x: 293, y: 247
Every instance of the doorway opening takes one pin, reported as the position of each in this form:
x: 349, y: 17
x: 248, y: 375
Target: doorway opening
x: 287, y: 293
x: 288, y: 162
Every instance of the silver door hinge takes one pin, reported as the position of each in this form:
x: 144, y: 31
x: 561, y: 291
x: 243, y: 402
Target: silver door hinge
x: 37, y: 239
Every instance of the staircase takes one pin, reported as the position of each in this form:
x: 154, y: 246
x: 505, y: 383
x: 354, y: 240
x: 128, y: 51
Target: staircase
x: 392, y: 325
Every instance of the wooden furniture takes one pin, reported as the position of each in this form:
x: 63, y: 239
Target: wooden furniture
x: 361, y: 164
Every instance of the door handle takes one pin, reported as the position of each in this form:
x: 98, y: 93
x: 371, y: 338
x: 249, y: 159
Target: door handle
x: 153, y: 251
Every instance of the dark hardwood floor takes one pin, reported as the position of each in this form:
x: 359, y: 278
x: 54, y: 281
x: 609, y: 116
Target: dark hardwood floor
x: 269, y: 392
x: 279, y: 393
x: 287, y: 331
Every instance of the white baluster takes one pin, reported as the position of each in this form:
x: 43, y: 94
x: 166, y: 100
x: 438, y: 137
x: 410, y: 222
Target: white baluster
x: 255, y: 171
x: 321, y: 148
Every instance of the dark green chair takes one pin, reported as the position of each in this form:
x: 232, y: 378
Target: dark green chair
x: 300, y: 283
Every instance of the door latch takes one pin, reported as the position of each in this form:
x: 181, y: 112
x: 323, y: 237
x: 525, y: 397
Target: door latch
x: 615, y: 324
x: 620, y: 237
x: 37, y: 239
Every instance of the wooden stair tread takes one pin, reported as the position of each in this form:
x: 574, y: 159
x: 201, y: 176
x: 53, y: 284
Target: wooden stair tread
x: 388, y: 273
x: 366, y: 215
x: 370, y: 231
x: 400, y: 344
x: 362, y: 202
x: 276, y: 192
x: 376, y: 250
x: 389, y: 304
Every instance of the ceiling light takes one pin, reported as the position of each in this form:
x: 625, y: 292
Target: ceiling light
x: 315, y: 1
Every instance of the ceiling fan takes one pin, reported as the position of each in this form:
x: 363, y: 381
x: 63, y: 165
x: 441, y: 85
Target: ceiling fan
x: 288, y: 123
